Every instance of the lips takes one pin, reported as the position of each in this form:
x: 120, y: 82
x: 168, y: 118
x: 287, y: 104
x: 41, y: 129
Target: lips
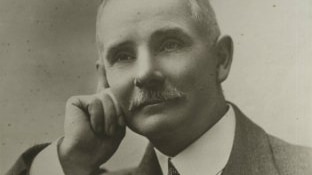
x: 151, y: 103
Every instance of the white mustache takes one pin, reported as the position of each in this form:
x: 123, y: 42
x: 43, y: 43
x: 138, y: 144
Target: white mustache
x: 145, y: 97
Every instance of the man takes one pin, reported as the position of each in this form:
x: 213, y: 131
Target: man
x: 160, y: 72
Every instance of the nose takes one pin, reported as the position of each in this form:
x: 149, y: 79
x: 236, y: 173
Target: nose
x: 149, y: 74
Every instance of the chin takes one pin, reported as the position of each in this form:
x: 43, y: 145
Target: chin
x: 152, y: 125
x: 159, y: 119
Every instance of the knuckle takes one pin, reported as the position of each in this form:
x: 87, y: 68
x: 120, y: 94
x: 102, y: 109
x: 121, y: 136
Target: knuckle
x: 95, y: 106
x: 72, y: 100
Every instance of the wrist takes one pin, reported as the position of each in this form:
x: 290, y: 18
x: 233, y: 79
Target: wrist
x: 73, y: 161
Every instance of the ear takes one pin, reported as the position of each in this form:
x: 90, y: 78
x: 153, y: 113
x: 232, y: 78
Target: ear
x: 102, y: 79
x: 224, y: 54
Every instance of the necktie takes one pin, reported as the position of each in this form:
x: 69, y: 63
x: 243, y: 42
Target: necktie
x: 171, y: 169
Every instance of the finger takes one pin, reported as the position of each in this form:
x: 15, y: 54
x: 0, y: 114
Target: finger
x: 119, y: 113
x: 81, y: 102
x: 95, y: 110
x: 120, y: 132
x: 110, y: 114
x: 121, y: 121
x: 77, y: 120
x: 114, y: 100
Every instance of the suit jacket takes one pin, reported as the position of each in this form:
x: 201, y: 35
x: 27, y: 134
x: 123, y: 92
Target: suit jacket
x: 254, y: 152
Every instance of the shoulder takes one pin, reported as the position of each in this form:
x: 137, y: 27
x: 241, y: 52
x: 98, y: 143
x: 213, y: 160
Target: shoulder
x: 130, y: 171
x: 255, y: 143
x: 290, y: 158
x: 23, y: 163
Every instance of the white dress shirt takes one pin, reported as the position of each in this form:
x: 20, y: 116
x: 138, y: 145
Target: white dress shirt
x: 209, y: 154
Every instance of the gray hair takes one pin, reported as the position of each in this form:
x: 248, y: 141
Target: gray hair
x: 204, y: 15
x: 201, y: 11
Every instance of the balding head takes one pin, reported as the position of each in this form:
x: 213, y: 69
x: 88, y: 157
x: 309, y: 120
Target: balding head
x: 170, y: 50
x: 200, y: 10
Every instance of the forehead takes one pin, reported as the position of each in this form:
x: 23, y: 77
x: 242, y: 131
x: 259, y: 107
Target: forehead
x: 126, y: 19
x: 152, y: 7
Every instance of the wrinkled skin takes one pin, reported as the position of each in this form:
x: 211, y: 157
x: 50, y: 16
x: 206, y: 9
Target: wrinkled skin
x: 151, y: 47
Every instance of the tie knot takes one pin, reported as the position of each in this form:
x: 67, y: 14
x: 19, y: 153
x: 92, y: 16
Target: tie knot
x: 171, y: 169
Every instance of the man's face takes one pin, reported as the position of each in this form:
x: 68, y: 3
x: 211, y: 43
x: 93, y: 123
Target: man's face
x: 161, y: 69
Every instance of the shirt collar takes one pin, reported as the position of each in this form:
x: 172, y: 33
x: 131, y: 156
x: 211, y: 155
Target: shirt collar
x: 208, y: 154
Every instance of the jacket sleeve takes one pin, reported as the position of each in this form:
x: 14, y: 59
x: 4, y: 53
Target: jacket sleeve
x: 23, y: 163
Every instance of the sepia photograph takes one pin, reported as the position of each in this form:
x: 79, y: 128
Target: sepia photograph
x: 155, y: 87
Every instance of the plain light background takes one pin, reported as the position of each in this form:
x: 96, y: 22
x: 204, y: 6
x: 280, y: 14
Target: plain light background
x: 47, y: 54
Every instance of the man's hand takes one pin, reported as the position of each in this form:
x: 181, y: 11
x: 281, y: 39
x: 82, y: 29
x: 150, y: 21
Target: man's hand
x: 94, y: 128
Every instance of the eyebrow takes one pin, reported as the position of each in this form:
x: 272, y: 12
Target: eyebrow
x: 171, y: 31
x: 114, y: 47
x: 157, y: 35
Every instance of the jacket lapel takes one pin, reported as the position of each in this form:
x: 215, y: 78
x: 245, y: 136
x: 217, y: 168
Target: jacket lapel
x: 149, y: 165
x: 251, y: 153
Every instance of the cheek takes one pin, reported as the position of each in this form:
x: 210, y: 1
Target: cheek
x: 193, y: 71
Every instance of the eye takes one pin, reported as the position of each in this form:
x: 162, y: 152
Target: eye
x: 123, y: 57
x: 171, y: 45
